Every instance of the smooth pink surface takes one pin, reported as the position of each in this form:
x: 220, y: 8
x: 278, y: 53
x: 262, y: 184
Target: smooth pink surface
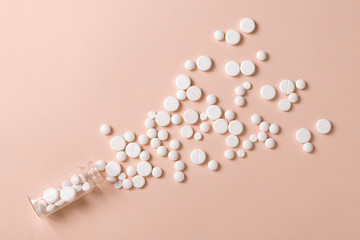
x: 66, y: 67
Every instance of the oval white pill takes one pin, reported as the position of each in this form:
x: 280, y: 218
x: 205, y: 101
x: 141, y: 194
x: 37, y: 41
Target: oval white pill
x: 256, y: 119
x: 117, y: 184
x: 179, y: 165
x: 214, y: 112
x: 127, y: 184
x: 149, y: 123
x: 144, y: 156
x: 253, y: 138
x: 155, y: 143
x: 191, y: 116
x: 163, y: 119
x: 300, y: 84
x: 287, y: 86
x: 232, y: 141
x: 211, y: 99
x: 241, y: 153
x: 100, y: 165
x: 118, y: 143
x: 247, y: 144
x: 198, y: 136
x: 181, y: 95
x: 51, y: 195
x: 262, y: 136
x: 131, y: 171
x: 203, y: 116
x: 240, y: 91
x: 268, y: 92
x: 186, y: 132
x: 219, y: 35
x: 86, y: 187
x: 144, y: 168
x: 152, y: 114
x: 308, y: 147
x: 323, y: 126
x: 284, y: 105
x: 303, y: 135
x: 204, y: 63
x: 274, y: 128
x: 261, y: 55
x: 133, y: 150
x: 143, y: 139
x: 189, y: 65
x: 75, y: 179
x: 183, y: 82
x: 229, y: 114
x: 236, y: 127
x: 50, y: 208
x: 151, y: 133
x: 156, y: 172
x: 239, y: 101
x: 264, y: 126
x: 229, y: 154
x: 60, y: 202
x: 198, y: 156
x: 232, y: 68
x: 205, y: 127
x: 270, y: 143
x: 68, y: 194
x: 110, y: 179
x: 138, y: 181
x: 293, y: 97
x: 247, y: 67
x: 193, y: 93
x: 175, y: 144
x: 161, y: 151
x: 213, y: 165
x: 173, y: 155
x: 247, y: 85
x: 179, y: 176
x: 220, y: 126
x: 247, y: 25
x: 232, y: 37
x: 176, y: 119
x: 105, y: 129
x: 113, y: 169
x: 171, y: 104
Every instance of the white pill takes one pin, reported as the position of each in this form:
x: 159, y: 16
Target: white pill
x: 308, y: 147
x: 118, y: 143
x: 191, y: 116
x: 303, y: 135
x: 163, y: 119
x: 229, y: 114
x: 274, y: 128
x: 86, y: 187
x: 247, y: 144
x: 247, y: 25
x: 152, y: 114
x: 219, y: 35
x: 232, y: 141
x: 176, y: 119
x: 127, y: 184
x: 323, y: 126
x: 173, y: 155
x: 203, y: 116
x: 183, y: 82
x: 50, y: 208
x: 82, y: 178
x: 149, y: 123
x: 229, y: 154
x: 232, y: 68
x: 175, y: 144
x: 77, y: 187
x: 113, y: 168
x: 105, y: 129
x: 264, y: 126
x: 239, y: 101
x: 110, y: 179
x: 155, y: 143
x: 198, y: 156
x: 262, y: 136
x: 247, y: 85
x: 129, y: 136
x: 41, y: 205
x: 193, y: 93
x: 261, y: 55
x: 284, y: 105
x: 60, y: 202
x: 189, y: 65
x: 151, y: 133
x: 179, y: 165
x: 51, y: 195
x: 241, y: 153
x: 300, y: 84
x: 287, y: 86
x: 213, y: 165
x: 122, y: 176
x: 232, y: 37
x: 236, y: 127
x: 68, y: 194
x: 171, y: 104
x: 67, y: 183
x: 156, y: 172
x: 240, y: 91
x: 268, y: 92
x: 270, y: 143
x: 131, y: 171
x: 293, y: 97
x: 253, y: 138
x: 247, y: 67
x: 117, y: 185
x: 256, y: 119
x: 133, y: 150
x: 181, y: 95
x: 204, y: 63
x: 144, y: 168
x: 220, y: 126
x: 75, y: 179
x: 144, y: 156
x: 198, y: 136
x: 163, y: 135
x: 161, y: 151
x: 214, y: 112
x: 211, y: 99
x: 138, y: 181
x: 143, y: 139
x: 205, y: 127
x: 179, y: 176
x: 186, y: 132
x: 100, y: 165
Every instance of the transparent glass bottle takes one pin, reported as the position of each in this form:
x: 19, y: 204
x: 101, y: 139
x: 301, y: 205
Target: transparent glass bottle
x: 61, y: 191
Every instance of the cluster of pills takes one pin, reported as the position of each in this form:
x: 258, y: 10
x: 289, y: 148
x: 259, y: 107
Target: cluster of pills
x: 240, y: 91
x: 232, y: 36
x: 204, y: 63
x: 262, y: 136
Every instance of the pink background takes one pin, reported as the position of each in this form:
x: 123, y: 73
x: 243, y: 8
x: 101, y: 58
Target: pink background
x: 66, y: 67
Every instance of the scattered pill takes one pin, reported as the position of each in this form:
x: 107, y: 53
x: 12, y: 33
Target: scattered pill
x: 213, y: 165
x: 193, y: 93
x: 151, y: 133
x: 75, y: 179
x: 122, y: 176
x: 176, y: 119
x: 203, y: 116
x: 198, y: 156
x: 253, y: 138
x: 155, y: 143
x: 284, y: 105
x: 303, y: 135
x: 173, y: 155
x: 268, y: 92
x: 205, y: 127
x: 219, y: 35
x: 262, y: 136
x: 144, y: 156
x: 287, y: 86
x: 183, y: 82
x: 156, y: 172
x: 175, y: 144
x: 110, y: 179
x: 127, y: 183
x: 236, y: 127
x: 261, y: 55
x: 129, y: 136
x: 300, y: 84
x: 118, y: 143
x: 152, y: 114
x: 256, y: 119
x: 86, y: 187
x: 264, y: 126
x: 163, y: 135
x: 67, y: 183
x: 149, y: 123
x: 240, y: 91
x: 138, y: 181
x: 133, y: 150
x: 179, y: 176
x: 179, y: 165
x: 274, y: 128
x: 232, y: 68
x: 204, y: 63
x: 144, y: 168
x: 323, y: 126
x: 211, y: 99
x: 270, y: 143
x: 229, y: 114
x: 189, y: 65
x: 186, y: 132
x: 247, y: 144
x: 191, y: 116
x: 51, y: 195
x: 247, y: 67
x: 161, y: 151
x: 181, y: 95
x: 171, y: 104
x: 214, y: 112
x: 117, y: 184
x: 239, y: 101
x: 143, y: 139
x: 232, y: 141
x: 247, y: 85
x: 131, y: 171
x: 232, y: 37
x: 241, y: 153
x: 198, y: 136
x: 105, y: 129
x: 100, y: 165
x: 68, y: 194
x: 308, y: 147
x: 220, y: 126
x: 293, y: 97
x: 113, y: 169
x: 163, y: 119
x: 229, y: 154
x: 247, y: 25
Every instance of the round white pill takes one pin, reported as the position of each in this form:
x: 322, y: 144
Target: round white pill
x: 214, y: 112
x: 203, y: 116
x: 211, y: 99
x: 239, y: 101
x: 173, y: 155
x: 113, y: 168
x: 287, y: 86
x: 247, y: 85
x: 100, y: 165
x: 193, y: 93
x: 189, y: 65
x: 163, y: 119
x: 175, y: 144
x: 183, y: 82
x: 118, y: 143
x: 143, y: 139
x: 270, y: 143
x: 176, y: 119
x: 232, y: 37
x: 213, y: 165
x: 219, y: 35
x: 256, y: 119
x: 229, y: 114
x: 198, y: 156
x: 75, y: 179
x: 151, y: 133
x: 264, y: 126
x: 171, y: 104
x: 284, y: 105
x: 300, y: 84
x: 303, y: 135
x: 229, y: 154
x: 86, y: 187
x: 262, y: 136
x: 232, y: 141
x: 293, y: 97
x: 144, y: 168
x: 236, y: 127
x: 181, y: 95
x: 198, y: 136
x: 179, y: 176
x: 155, y: 143
x: 261, y: 55
x: 268, y: 92
x: 133, y: 150
x: 110, y: 179
x: 138, y: 181
x: 247, y: 67
x: 323, y: 126
x: 68, y: 194
x: 186, y: 132
x: 247, y: 25
x: 121, y: 156
x: 191, y: 116
x: 131, y: 171
x: 152, y: 114
x: 241, y: 153
x: 127, y: 184
x: 105, y: 129
x: 205, y: 127
x: 247, y: 144
x: 144, y: 156
x: 149, y: 123
x: 204, y: 63
x: 156, y: 172
x: 51, y: 195
x: 161, y: 151
x: 61, y: 202
x: 117, y: 185
x: 129, y: 136
x: 179, y: 165
x: 163, y: 135
x: 220, y: 126
x: 274, y: 128
x: 232, y: 68
x: 122, y: 176
x: 50, y: 208
x: 308, y: 147
x: 240, y: 91
x: 253, y: 138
